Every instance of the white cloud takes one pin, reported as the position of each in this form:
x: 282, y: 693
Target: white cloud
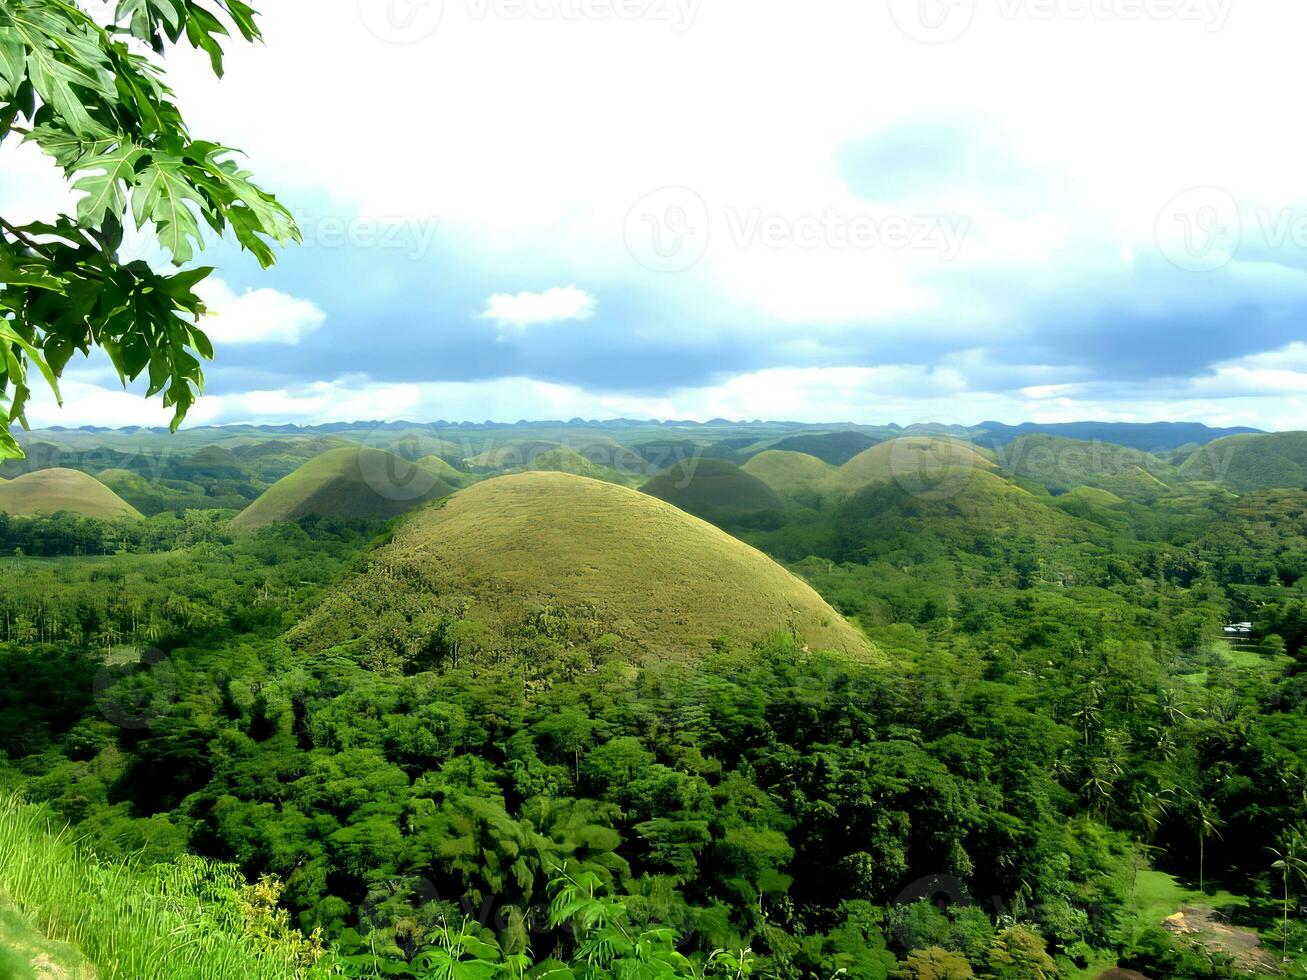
x: 523, y: 310
x: 257, y: 316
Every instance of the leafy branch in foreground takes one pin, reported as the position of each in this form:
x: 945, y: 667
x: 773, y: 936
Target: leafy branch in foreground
x: 93, y: 99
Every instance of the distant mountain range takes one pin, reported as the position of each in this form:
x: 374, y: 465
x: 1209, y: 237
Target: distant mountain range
x: 1149, y: 436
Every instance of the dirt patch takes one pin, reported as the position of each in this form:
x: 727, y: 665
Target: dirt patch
x: 1116, y: 973
x: 1206, y: 926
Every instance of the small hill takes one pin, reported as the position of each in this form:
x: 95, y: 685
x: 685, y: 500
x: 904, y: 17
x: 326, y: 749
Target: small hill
x: 719, y: 492
x: 791, y: 474
x: 351, y: 483
x: 986, y: 515
x: 1251, y: 462
x: 929, y: 465
x: 836, y: 448
x: 569, y: 461
x: 541, y: 558
x: 1061, y: 464
x: 510, y: 457
x: 54, y: 490
x: 447, y: 471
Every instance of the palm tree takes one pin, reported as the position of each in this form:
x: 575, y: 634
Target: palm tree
x: 1148, y: 808
x: 1209, y: 825
x: 1291, y: 862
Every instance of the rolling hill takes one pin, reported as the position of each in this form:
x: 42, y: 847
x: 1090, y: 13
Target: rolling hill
x: 54, y: 490
x: 717, y: 491
x: 791, y: 474
x: 351, y: 483
x: 929, y: 465
x: 986, y: 515
x: 835, y: 448
x: 568, y: 558
x: 569, y: 461
x: 1061, y: 464
x: 1251, y: 462
x: 447, y: 472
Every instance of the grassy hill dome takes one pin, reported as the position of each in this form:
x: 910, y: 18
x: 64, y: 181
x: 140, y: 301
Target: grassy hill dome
x: 718, y: 491
x: 350, y: 483
x: 790, y: 473
x: 932, y: 466
x: 555, y: 551
x: 447, y: 471
x: 54, y: 490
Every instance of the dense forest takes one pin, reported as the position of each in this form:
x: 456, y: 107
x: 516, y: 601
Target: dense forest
x: 1062, y: 747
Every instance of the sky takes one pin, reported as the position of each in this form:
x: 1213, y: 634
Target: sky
x: 859, y: 211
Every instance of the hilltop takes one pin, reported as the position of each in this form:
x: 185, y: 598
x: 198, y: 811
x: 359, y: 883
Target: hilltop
x: 717, y: 491
x: 920, y: 463
x: 547, y: 561
x: 54, y: 490
x: 792, y: 474
x: 351, y: 483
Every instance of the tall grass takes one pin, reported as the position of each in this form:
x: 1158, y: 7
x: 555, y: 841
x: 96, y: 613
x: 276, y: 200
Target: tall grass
x: 181, y: 922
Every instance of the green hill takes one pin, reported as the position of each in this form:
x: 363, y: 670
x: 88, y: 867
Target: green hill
x: 835, y: 448
x: 930, y: 465
x: 551, y: 560
x: 717, y: 491
x: 791, y: 474
x: 1251, y: 462
x: 985, y: 516
x: 54, y: 490
x: 447, y: 472
x: 509, y: 457
x: 351, y: 483
x: 1061, y: 464
x: 568, y: 461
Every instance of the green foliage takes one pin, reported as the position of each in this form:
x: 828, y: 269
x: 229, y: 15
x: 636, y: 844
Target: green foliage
x: 190, y: 918
x: 85, y: 95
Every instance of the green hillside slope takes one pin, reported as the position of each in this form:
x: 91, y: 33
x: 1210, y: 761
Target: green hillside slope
x: 1063, y: 464
x: 717, y: 491
x: 1251, y: 462
x: 351, y: 483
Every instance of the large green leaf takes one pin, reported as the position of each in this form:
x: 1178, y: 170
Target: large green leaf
x: 164, y: 196
x: 105, y: 179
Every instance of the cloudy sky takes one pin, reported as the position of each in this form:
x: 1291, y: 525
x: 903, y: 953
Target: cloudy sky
x: 878, y: 211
